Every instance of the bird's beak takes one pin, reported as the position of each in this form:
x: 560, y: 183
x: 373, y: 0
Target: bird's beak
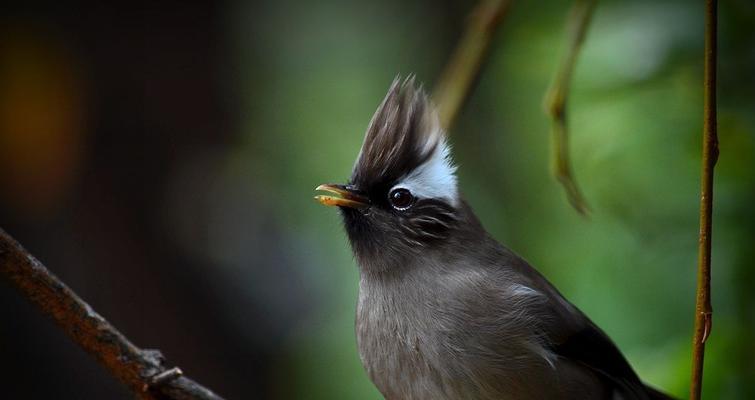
x: 347, y: 196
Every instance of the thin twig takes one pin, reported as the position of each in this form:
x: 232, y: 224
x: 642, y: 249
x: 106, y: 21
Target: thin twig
x: 555, y: 102
x: 135, y: 367
x: 703, y: 309
x: 462, y: 70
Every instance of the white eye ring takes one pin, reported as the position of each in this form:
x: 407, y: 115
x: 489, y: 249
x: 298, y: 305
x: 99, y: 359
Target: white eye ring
x: 401, y: 198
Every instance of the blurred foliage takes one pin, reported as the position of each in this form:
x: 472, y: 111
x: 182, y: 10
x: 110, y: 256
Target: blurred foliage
x: 223, y: 211
x: 636, y: 120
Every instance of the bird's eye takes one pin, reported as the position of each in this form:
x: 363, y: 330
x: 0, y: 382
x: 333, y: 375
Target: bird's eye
x: 401, y: 198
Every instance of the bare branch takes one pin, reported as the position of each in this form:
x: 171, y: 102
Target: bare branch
x: 555, y: 103
x: 703, y: 309
x: 135, y: 367
x: 462, y: 70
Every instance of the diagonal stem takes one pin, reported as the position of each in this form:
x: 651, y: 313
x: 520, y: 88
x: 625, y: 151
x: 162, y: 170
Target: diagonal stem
x: 462, y: 71
x: 556, y: 99
x: 137, y: 368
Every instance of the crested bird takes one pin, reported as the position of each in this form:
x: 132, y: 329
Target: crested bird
x: 444, y: 310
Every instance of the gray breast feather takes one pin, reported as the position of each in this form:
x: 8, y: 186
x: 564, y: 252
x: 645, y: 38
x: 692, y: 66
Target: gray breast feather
x: 460, y: 333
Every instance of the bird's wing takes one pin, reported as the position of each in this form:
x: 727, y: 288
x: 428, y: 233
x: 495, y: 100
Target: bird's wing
x: 591, y: 348
x: 573, y: 336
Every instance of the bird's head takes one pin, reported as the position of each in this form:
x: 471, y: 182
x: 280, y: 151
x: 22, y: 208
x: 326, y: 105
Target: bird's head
x: 402, y: 197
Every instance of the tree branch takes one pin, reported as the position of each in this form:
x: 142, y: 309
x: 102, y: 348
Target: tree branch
x: 143, y: 371
x: 555, y: 103
x: 464, y: 68
x: 703, y: 309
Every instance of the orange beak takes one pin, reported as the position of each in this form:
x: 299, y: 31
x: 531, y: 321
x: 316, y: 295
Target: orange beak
x: 347, y: 196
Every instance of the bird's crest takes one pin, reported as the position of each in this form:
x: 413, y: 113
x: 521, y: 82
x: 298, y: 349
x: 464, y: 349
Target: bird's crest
x: 406, y: 146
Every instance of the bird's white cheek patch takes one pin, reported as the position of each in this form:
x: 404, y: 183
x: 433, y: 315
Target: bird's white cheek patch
x: 435, y: 179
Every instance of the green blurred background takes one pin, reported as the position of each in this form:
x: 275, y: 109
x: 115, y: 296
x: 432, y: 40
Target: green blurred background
x: 161, y: 159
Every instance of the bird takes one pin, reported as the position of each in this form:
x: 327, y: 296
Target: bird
x: 444, y: 310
